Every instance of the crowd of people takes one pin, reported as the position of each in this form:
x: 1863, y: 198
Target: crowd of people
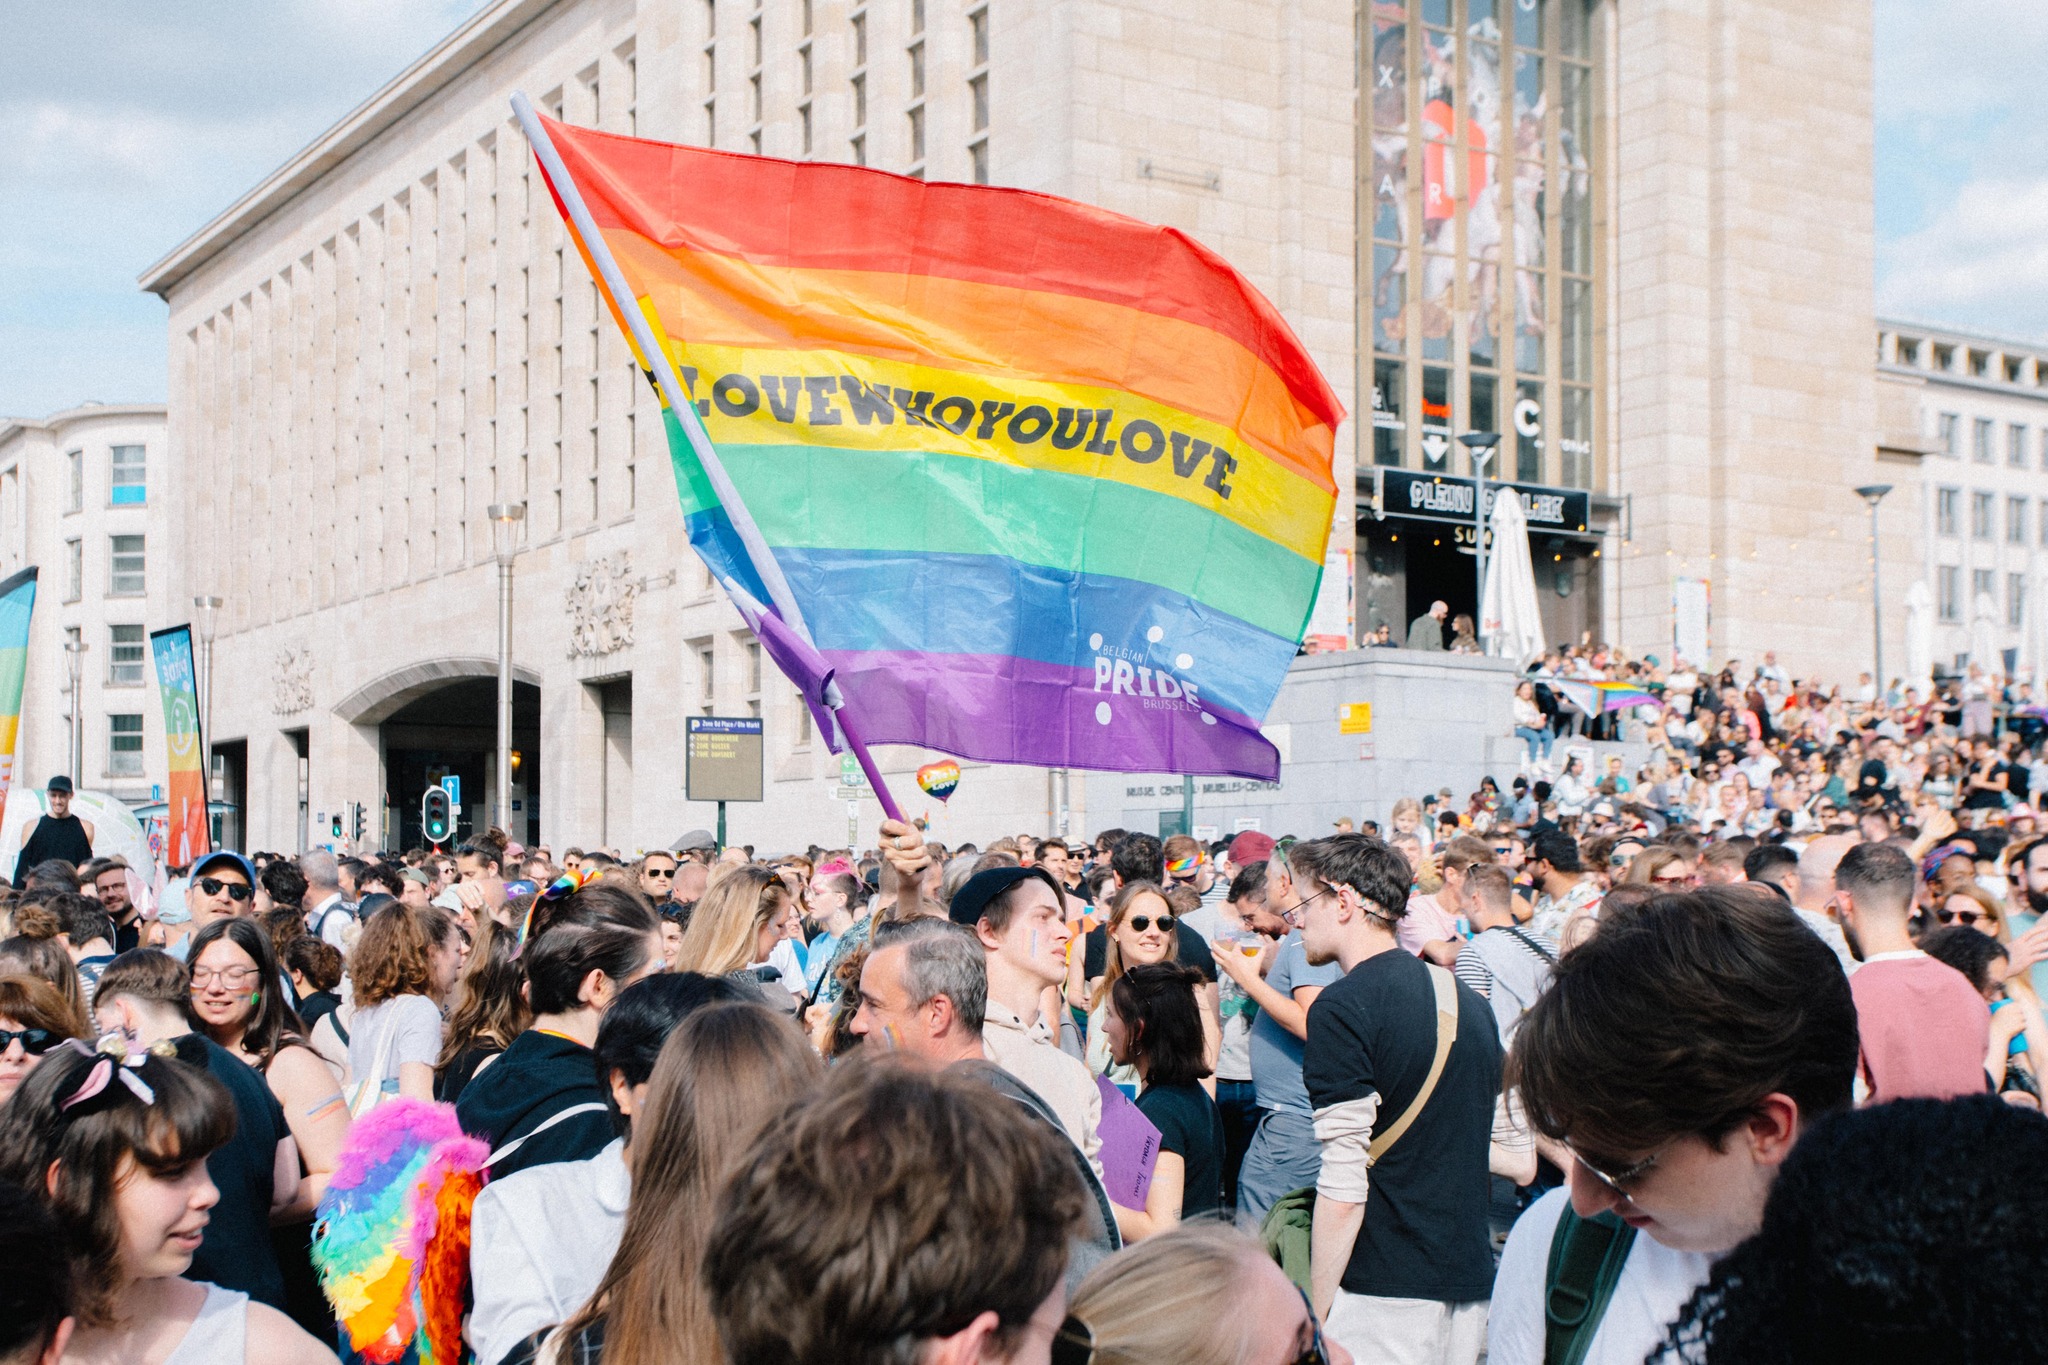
x: 1600, y: 1072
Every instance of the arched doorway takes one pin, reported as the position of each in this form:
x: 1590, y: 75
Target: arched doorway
x: 452, y: 730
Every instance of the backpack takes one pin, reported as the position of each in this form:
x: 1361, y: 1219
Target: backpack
x: 1586, y: 1260
x: 391, y: 1236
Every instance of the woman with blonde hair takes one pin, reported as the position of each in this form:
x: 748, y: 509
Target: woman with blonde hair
x: 1663, y: 868
x: 726, y: 1072
x: 737, y: 925
x: 1198, y: 1294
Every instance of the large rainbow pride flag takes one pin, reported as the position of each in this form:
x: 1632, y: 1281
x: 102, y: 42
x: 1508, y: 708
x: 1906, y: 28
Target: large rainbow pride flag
x: 1039, y: 483
x: 17, y: 605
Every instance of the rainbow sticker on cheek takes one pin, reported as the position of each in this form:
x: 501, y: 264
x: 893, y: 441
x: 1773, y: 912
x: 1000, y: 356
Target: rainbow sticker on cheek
x: 895, y: 1042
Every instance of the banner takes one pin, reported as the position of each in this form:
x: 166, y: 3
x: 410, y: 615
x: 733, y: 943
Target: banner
x: 17, y: 604
x: 1025, y: 480
x: 189, y: 836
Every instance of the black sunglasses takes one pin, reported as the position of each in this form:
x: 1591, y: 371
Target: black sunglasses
x: 659, y: 872
x: 1074, y: 1343
x: 1143, y: 922
x: 34, y: 1041
x: 212, y: 886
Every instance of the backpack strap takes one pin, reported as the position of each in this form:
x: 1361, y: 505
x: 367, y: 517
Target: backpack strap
x: 587, y: 1107
x: 1446, y: 988
x: 1586, y: 1260
x: 1533, y: 945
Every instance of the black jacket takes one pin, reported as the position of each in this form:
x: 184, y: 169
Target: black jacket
x: 541, y: 1094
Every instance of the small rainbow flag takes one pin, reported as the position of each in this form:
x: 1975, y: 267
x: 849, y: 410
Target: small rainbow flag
x: 1620, y: 696
x: 1028, y: 481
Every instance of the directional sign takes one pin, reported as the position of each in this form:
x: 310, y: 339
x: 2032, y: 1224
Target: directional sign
x: 452, y: 784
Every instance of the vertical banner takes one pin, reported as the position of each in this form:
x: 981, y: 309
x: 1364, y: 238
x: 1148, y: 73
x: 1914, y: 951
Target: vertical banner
x: 1691, y: 617
x: 187, y: 834
x: 17, y: 602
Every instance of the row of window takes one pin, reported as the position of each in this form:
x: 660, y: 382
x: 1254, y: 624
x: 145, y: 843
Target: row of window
x: 1984, y: 441
x: 1984, y: 522
x: 127, y: 478
x: 1948, y: 592
x: 126, y: 568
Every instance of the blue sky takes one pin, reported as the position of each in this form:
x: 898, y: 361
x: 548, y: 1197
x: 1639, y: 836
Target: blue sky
x: 124, y: 126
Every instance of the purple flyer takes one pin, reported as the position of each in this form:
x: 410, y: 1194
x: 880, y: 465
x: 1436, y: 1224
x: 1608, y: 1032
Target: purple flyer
x: 1130, y: 1147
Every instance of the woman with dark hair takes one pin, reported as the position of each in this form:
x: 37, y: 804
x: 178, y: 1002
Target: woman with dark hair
x: 540, y: 1101
x: 116, y: 1145
x: 1154, y: 1026
x: 489, y: 1011
x: 724, y: 1075
x: 1901, y: 1233
x: 403, y: 967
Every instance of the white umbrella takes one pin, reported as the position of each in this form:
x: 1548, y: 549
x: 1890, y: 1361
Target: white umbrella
x: 1984, y: 635
x: 1510, y: 620
x: 1919, y: 637
x: 2034, y: 639
x: 116, y: 831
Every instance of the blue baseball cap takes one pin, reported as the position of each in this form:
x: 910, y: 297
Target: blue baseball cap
x: 223, y: 857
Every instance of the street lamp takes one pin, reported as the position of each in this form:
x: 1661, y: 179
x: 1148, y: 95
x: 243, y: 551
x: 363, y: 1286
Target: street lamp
x: 74, y: 658
x: 208, y: 609
x: 1480, y: 444
x: 1873, y: 493
x: 506, y: 520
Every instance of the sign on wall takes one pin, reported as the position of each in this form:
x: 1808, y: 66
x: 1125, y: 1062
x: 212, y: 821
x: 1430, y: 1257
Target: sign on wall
x: 722, y: 758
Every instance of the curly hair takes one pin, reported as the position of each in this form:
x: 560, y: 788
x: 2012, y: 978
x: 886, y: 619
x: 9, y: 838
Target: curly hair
x: 1907, y: 1232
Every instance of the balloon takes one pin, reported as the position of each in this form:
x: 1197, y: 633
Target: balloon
x: 939, y: 779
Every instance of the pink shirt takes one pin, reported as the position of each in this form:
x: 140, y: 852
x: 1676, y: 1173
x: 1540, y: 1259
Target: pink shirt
x: 1425, y: 922
x: 1924, y: 1029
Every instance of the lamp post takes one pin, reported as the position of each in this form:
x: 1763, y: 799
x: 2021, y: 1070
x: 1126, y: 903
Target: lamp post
x: 74, y: 658
x: 506, y: 520
x: 1873, y: 494
x: 1480, y: 444
x: 208, y: 610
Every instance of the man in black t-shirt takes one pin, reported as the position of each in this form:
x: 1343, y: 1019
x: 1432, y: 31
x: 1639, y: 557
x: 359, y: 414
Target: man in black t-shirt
x: 1402, y: 1258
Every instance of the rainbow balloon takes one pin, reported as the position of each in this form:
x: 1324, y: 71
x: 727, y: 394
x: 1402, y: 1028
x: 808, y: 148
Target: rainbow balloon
x: 1022, y: 480
x: 939, y: 779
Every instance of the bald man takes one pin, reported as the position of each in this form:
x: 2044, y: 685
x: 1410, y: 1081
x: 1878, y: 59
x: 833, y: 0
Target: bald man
x: 1817, y: 892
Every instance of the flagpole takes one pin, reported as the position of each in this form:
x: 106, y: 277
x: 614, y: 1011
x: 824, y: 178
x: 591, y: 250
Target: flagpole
x: 671, y: 385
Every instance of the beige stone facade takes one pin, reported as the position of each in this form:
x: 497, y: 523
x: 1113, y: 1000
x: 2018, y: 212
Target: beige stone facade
x: 390, y: 334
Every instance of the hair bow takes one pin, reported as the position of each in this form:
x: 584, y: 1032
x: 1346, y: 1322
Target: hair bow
x: 112, y: 1061
x: 567, y: 884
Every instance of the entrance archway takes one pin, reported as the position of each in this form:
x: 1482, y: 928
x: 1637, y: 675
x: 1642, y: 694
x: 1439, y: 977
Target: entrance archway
x: 450, y: 729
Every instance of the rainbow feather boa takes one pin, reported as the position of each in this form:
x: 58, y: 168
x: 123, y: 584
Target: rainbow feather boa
x: 392, y: 1238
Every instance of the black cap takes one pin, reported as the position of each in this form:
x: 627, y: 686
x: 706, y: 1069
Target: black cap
x: 974, y: 895
x: 60, y: 783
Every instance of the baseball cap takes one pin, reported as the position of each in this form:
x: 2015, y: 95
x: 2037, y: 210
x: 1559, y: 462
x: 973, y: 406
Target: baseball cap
x: 696, y: 838
x: 60, y: 783
x: 413, y: 874
x: 1250, y: 846
x: 223, y: 858
x: 974, y: 895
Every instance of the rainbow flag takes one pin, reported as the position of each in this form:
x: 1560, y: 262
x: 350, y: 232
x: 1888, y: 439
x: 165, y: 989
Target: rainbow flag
x: 1033, y: 482
x: 1619, y: 696
x: 17, y: 604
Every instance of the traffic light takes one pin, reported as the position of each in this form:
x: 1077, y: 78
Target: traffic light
x: 356, y: 821
x: 435, y: 817
x: 337, y: 824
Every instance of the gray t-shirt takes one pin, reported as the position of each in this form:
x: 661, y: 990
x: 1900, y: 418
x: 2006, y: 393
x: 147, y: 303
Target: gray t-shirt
x: 1233, y: 1061
x: 1276, y: 1053
x: 413, y: 1026
x: 1501, y: 965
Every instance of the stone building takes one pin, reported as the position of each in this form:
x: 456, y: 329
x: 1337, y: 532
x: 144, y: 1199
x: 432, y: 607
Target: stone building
x: 84, y: 497
x: 1633, y: 236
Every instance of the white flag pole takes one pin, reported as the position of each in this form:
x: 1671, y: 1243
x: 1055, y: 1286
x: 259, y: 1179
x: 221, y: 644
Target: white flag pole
x: 658, y: 361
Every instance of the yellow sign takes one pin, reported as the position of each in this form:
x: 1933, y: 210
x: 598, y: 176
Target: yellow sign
x: 1355, y: 718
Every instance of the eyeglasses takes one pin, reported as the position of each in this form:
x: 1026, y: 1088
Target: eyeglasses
x: 1074, y: 1343
x: 213, y: 886
x: 34, y: 1041
x: 1143, y: 922
x: 1620, y: 1180
x: 234, y: 978
x: 1970, y: 917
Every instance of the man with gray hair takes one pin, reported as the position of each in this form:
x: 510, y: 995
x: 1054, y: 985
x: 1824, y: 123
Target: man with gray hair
x: 328, y: 915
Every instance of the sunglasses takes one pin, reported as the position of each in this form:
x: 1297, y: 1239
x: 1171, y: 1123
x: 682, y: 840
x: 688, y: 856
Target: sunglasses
x: 213, y: 886
x: 1970, y: 917
x: 34, y: 1041
x: 1143, y: 922
x: 1074, y: 1343
x: 667, y: 873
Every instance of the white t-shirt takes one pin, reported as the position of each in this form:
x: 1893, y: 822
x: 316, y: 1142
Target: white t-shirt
x: 414, y: 1023
x: 1654, y: 1286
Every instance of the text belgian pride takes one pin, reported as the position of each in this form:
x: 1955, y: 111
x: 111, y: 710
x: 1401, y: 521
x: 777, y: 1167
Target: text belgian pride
x: 813, y: 399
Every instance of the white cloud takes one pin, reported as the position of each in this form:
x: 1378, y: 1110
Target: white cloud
x: 1982, y: 262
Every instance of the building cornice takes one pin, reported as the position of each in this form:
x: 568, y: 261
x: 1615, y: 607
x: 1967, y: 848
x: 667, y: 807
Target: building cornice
x: 442, y: 65
x: 84, y: 412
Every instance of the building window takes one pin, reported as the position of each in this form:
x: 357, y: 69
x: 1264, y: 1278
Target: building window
x: 74, y: 475
x: 801, y: 730
x: 124, y: 745
x: 124, y: 656
x: 125, y: 566
x: 752, y: 655
x: 1945, y: 433
x: 2044, y: 523
x: 2015, y: 600
x: 707, y: 675
x: 2016, y: 521
x: 130, y: 482
x: 1981, y: 513
x: 74, y: 570
x: 2016, y: 446
x: 1948, y: 581
x: 1984, y: 586
x: 1946, y: 515
x: 1980, y: 440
